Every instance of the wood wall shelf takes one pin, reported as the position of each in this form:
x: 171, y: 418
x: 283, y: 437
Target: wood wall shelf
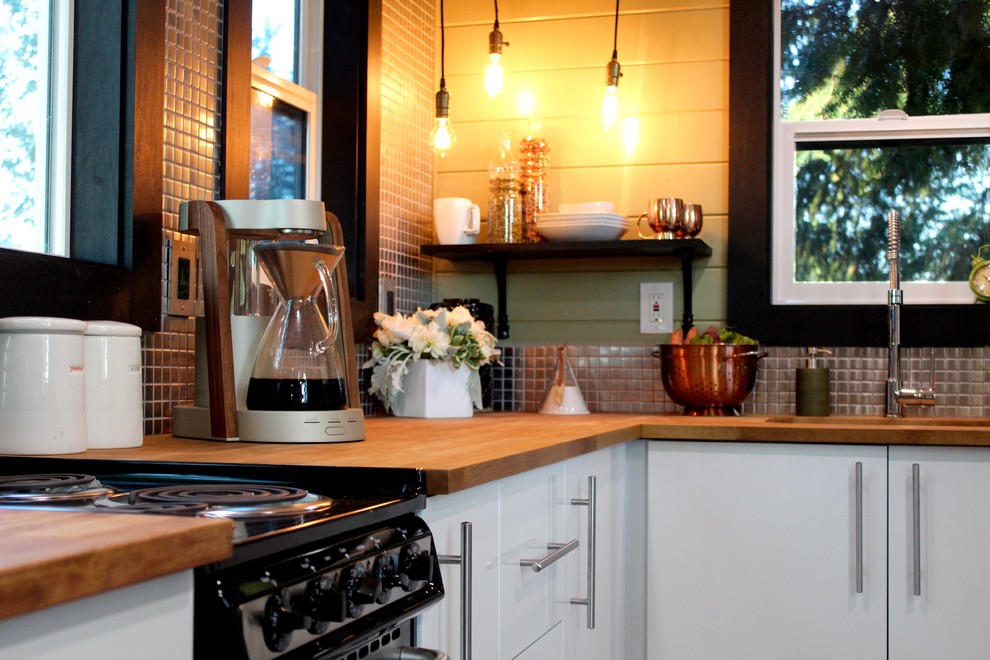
x: 499, y: 254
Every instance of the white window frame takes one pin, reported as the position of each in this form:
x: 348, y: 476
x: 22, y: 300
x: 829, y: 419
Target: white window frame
x: 56, y: 172
x: 305, y: 100
x: 788, y: 136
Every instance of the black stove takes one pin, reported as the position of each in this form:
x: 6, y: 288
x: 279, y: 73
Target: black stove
x: 328, y: 562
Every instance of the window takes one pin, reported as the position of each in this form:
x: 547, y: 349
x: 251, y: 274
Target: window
x: 879, y: 106
x: 284, y: 160
x: 34, y: 125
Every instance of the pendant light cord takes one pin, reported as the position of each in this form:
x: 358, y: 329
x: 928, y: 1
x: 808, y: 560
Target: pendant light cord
x: 443, y: 81
x: 615, y: 34
x: 496, y: 14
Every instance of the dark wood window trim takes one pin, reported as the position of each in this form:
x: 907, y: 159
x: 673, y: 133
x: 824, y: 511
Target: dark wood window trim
x: 750, y: 307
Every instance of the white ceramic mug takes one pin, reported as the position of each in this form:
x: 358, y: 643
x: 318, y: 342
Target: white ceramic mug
x: 457, y: 220
x: 42, y: 386
x: 114, y: 409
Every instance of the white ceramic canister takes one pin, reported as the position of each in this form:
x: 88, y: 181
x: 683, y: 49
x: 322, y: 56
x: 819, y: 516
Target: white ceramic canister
x: 42, y: 385
x: 114, y: 409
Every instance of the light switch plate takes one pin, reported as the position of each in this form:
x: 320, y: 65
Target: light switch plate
x: 656, y: 307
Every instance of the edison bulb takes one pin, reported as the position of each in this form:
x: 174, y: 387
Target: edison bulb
x: 442, y: 136
x: 494, y: 75
x: 610, y: 106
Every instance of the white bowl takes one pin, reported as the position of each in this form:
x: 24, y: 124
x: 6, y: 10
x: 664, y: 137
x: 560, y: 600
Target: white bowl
x: 603, y: 230
x: 587, y: 207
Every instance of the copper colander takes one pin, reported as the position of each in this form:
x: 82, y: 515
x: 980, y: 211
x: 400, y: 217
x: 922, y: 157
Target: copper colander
x: 708, y: 379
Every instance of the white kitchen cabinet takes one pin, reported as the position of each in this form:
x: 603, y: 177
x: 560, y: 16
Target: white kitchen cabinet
x: 599, y: 481
x: 519, y: 613
x: 947, y: 618
x: 152, y: 619
x: 440, y: 627
x: 550, y: 645
x: 533, y: 511
x: 753, y: 551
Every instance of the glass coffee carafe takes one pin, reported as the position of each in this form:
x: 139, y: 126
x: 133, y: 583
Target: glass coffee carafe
x: 297, y: 366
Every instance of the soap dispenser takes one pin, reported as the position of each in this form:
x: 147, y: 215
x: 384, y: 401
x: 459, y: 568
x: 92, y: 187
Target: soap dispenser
x: 813, y: 386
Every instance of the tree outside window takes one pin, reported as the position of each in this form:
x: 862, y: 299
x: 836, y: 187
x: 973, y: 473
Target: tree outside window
x: 852, y: 59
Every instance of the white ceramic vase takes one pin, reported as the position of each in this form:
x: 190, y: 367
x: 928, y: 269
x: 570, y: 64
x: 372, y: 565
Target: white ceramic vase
x: 434, y: 390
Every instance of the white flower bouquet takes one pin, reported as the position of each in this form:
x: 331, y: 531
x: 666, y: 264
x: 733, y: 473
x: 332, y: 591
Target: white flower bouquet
x: 437, y: 335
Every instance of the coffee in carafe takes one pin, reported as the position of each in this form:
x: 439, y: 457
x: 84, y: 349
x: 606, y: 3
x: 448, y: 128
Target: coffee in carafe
x: 297, y: 366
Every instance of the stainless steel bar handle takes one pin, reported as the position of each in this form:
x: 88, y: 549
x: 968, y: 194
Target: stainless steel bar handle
x: 557, y: 551
x: 592, y: 504
x: 859, y: 528
x: 916, y: 497
x: 466, y: 561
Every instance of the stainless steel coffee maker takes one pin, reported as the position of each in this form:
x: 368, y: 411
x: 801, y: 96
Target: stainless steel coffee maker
x: 275, y: 355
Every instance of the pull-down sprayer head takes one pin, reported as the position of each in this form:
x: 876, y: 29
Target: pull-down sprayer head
x: 894, y: 247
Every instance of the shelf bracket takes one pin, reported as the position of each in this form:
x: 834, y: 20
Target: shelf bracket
x: 687, y: 260
x: 502, y: 324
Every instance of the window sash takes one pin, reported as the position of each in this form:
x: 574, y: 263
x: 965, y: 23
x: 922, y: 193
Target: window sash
x: 790, y: 135
x: 306, y: 101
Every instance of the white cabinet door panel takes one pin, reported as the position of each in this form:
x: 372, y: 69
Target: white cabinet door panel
x: 949, y: 618
x: 608, y: 636
x: 550, y: 646
x: 752, y: 552
x: 152, y: 620
x: 532, y: 515
x: 440, y: 626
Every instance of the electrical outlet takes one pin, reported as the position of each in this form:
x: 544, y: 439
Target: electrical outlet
x: 183, y: 297
x: 656, y: 307
x: 386, y: 295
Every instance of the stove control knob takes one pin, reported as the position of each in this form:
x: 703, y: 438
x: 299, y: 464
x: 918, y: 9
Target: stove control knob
x: 323, y: 603
x: 415, y: 565
x: 360, y: 588
x: 280, y: 621
x: 367, y: 590
x: 385, y: 571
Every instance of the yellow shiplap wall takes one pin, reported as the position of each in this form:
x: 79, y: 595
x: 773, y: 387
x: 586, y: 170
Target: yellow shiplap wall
x: 671, y: 140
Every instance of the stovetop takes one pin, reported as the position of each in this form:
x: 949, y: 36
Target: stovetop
x: 264, y: 502
x: 325, y: 559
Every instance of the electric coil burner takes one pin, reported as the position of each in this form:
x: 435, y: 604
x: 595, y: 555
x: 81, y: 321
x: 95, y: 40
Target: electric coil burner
x: 328, y: 562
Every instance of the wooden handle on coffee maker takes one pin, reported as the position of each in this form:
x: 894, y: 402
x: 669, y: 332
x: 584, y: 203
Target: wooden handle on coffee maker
x: 206, y: 221
x: 344, y: 311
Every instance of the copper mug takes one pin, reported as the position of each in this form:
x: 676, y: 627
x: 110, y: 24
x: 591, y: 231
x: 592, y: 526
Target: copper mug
x: 693, y: 218
x: 665, y: 217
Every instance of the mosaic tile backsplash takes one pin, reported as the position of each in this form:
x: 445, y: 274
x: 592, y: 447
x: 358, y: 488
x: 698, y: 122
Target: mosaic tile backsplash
x: 627, y: 379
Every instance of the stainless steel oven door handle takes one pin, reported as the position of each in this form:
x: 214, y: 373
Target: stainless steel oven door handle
x: 412, y: 653
x: 466, y: 561
x: 592, y: 503
x: 557, y: 551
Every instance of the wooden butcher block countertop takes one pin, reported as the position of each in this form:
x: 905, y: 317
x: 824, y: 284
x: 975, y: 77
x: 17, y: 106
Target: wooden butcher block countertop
x: 51, y: 557
x: 460, y: 453
x: 55, y: 557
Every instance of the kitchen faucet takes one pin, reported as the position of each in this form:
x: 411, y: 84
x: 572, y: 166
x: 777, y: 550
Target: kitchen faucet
x: 896, y: 396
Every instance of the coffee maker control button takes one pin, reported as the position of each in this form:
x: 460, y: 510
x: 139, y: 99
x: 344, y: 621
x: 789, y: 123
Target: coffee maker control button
x: 334, y: 430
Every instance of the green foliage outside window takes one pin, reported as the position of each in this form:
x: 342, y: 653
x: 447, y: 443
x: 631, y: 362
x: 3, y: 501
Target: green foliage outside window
x: 845, y: 59
x: 19, y: 114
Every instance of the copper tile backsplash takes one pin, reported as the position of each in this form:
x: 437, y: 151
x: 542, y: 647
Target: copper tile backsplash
x: 627, y: 379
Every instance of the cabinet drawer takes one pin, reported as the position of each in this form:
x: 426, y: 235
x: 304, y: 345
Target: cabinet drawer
x: 532, y: 514
x: 440, y: 626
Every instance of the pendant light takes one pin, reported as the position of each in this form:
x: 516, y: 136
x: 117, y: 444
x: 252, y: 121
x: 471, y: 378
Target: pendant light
x: 442, y: 136
x: 493, y: 72
x: 610, y: 104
